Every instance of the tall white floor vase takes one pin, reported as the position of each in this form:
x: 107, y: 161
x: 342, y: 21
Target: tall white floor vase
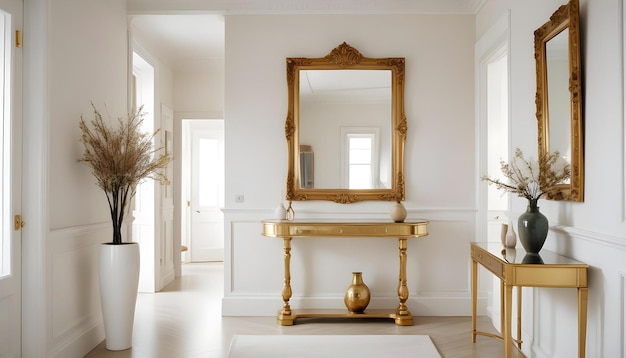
x: 119, y: 279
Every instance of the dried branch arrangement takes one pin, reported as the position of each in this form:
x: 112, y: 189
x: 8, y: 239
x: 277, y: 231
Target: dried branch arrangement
x: 532, y: 179
x: 121, y: 158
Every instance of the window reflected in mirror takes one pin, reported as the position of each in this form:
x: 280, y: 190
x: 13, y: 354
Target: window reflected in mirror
x: 361, y: 158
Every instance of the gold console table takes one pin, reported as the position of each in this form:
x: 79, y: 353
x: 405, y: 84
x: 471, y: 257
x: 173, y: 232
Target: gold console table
x: 521, y: 270
x: 287, y: 230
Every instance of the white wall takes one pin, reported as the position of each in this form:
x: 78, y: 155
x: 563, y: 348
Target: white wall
x: 85, y: 66
x: 199, y: 89
x: 439, y: 110
x: 593, y: 231
x: 85, y: 60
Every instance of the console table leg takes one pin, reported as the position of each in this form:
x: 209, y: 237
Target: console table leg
x: 403, y: 315
x: 284, y: 316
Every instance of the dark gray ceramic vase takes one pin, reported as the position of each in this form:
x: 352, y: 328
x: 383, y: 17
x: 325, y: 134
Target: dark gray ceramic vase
x: 532, y: 228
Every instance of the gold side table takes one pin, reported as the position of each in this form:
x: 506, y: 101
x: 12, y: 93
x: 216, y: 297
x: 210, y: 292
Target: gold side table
x: 287, y: 230
x: 546, y: 270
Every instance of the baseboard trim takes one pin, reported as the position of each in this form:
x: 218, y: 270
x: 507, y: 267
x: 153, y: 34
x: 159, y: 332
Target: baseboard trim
x: 83, y: 344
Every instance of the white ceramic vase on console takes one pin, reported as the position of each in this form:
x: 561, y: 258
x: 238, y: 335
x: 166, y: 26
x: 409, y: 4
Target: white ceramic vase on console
x: 508, y: 236
x: 280, y: 212
x: 398, y: 212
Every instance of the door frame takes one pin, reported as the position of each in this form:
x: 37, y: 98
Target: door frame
x: 488, y: 48
x: 12, y: 123
x: 35, y: 140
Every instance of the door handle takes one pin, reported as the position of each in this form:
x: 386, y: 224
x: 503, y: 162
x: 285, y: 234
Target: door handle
x: 198, y: 211
x: 18, y: 222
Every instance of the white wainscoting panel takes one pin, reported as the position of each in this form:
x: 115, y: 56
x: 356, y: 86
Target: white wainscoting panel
x: 6, y: 334
x: 437, y: 266
x: 554, y: 311
x: 74, y: 295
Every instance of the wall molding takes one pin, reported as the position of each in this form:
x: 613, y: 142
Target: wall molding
x: 74, y: 329
x: 425, y: 300
x: 597, y: 238
x: 266, y: 214
x: 463, y: 7
x: 622, y: 317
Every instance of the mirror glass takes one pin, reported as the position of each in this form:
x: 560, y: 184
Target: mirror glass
x: 558, y: 96
x: 345, y: 127
x: 559, y: 93
x: 345, y: 120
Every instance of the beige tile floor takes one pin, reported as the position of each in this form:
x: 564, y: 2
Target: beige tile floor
x: 184, y: 320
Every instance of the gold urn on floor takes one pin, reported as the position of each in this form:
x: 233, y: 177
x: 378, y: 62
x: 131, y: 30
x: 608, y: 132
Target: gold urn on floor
x: 357, y: 295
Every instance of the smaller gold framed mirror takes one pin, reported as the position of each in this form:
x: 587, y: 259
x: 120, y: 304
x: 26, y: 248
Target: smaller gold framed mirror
x: 559, y: 95
x: 345, y: 127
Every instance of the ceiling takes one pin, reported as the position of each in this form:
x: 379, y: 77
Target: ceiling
x: 184, y: 32
x: 181, y: 39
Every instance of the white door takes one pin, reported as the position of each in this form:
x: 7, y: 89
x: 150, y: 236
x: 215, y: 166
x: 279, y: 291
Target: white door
x: 10, y: 183
x: 207, y: 187
x: 144, y: 224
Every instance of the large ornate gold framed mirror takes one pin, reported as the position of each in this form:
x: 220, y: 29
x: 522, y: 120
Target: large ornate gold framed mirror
x: 559, y: 95
x: 345, y: 127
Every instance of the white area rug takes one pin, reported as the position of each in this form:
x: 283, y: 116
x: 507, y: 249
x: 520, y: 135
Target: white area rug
x: 330, y: 346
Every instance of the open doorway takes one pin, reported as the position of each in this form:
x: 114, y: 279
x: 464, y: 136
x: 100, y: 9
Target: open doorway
x: 143, y: 223
x: 188, y: 54
x: 492, y: 59
x: 202, y: 187
x: 152, y: 214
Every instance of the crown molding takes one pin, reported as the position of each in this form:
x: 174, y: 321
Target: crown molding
x: 307, y: 6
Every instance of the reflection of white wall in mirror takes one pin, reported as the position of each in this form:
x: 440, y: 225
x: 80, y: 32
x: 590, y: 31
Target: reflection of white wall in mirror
x: 321, y: 128
x: 322, y: 115
x: 559, y: 110
x: 342, y: 85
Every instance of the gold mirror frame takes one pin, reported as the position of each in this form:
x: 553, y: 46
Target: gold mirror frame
x: 566, y: 18
x: 345, y: 57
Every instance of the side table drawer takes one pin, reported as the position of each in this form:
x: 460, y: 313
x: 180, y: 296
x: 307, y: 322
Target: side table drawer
x: 488, y: 262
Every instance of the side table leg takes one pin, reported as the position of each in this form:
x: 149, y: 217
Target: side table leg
x: 506, y: 332
x: 284, y: 316
x: 502, y: 302
x: 403, y: 316
x: 582, y: 321
x: 474, y: 297
x: 519, y: 317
